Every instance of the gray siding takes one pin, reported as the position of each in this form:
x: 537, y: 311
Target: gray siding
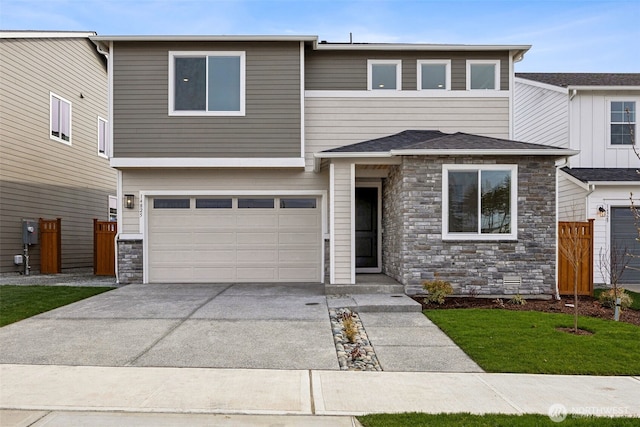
x: 40, y: 177
x: 347, y: 70
x: 270, y: 128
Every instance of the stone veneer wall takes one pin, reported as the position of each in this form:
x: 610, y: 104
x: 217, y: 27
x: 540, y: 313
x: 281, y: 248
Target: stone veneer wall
x: 413, y: 249
x: 130, y: 266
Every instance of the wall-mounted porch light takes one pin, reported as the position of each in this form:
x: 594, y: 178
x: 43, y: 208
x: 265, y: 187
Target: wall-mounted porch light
x: 129, y: 200
x: 602, y: 212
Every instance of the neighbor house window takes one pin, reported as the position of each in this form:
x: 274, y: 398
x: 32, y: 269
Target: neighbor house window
x: 479, y: 202
x: 103, y: 137
x: 384, y: 74
x: 483, y: 75
x: 60, y: 119
x: 623, y: 122
x: 434, y: 75
x: 207, y: 83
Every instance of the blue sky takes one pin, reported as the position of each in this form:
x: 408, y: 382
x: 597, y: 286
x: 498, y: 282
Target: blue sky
x: 567, y: 35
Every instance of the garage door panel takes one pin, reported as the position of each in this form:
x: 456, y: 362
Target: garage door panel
x: 234, y: 244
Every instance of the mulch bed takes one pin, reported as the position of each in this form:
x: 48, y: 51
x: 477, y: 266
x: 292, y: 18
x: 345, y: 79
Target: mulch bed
x: 587, y: 306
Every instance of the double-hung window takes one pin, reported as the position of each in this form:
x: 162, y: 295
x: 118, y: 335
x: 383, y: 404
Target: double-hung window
x: 384, y: 74
x: 60, y: 119
x: 207, y: 83
x: 479, y: 202
x: 434, y: 74
x: 623, y: 122
x: 103, y: 137
x: 483, y: 74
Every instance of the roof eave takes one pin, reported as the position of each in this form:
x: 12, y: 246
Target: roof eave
x: 219, y: 38
x: 608, y: 87
x: 46, y: 34
x: 517, y: 49
x: 494, y: 152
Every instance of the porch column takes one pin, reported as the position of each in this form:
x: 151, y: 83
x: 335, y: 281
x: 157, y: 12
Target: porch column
x: 341, y: 222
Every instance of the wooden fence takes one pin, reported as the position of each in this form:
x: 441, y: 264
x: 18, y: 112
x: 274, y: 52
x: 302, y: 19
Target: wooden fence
x: 104, y: 254
x: 575, y: 249
x: 50, y: 246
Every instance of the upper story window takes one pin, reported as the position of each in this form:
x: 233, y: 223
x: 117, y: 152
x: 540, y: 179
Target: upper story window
x: 479, y: 202
x: 207, y: 83
x: 384, y: 74
x: 103, y: 137
x: 623, y: 122
x: 60, y: 119
x: 434, y: 74
x: 483, y: 74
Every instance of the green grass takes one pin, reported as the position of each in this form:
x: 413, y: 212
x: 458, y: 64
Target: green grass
x: 528, y: 342
x: 635, y: 295
x: 20, y: 302
x: 489, y: 420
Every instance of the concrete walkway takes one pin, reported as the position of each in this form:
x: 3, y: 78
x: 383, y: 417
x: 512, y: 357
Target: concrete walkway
x: 112, y: 395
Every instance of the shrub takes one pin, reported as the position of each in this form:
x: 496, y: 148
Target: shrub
x: 517, y: 300
x: 437, y: 289
x: 608, y: 298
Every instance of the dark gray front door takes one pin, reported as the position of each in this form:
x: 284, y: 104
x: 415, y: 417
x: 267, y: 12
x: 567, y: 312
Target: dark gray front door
x: 624, y: 235
x: 366, y: 228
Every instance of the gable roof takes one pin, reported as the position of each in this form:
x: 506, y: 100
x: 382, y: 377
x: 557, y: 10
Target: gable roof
x: 566, y: 80
x: 600, y: 175
x: 433, y: 142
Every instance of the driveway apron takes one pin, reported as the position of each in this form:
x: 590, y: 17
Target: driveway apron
x: 182, y: 325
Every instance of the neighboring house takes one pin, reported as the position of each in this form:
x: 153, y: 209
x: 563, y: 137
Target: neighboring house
x: 285, y: 159
x: 596, y: 114
x: 54, y: 140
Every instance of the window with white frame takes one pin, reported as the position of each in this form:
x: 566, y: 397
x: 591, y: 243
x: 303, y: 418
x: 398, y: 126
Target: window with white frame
x: 434, y: 74
x: 60, y: 119
x: 479, y: 202
x: 384, y: 74
x: 103, y: 137
x: 483, y: 74
x: 623, y: 122
x: 207, y: 83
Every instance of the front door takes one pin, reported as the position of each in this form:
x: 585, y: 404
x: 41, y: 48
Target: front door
x: 367, y: 229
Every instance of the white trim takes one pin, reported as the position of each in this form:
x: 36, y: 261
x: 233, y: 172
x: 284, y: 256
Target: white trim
x: 478, y: 236
x: 588, y: 88
x: 377, y: 185
x: 106, y: 138
x: 512, y: 92
x: 547, y: 86
x: 110, y: 95
x: 207, y: 162
x: 496, y: 75
x: 206, y: 54
x: 302, y: 112
x: 447, y: 73
x: 352, y: 184
x: 46, y: 34
x: 218, y: 38
x: 396, y: 62
x: 551, y: 151
x: 332, y: 224
x: 55, y: 138
x: 131, y: 236
x: 607, y: 121
x: 427, y: 93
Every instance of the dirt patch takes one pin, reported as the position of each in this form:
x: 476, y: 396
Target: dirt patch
x: 575, y: 332
x: 587, y: 306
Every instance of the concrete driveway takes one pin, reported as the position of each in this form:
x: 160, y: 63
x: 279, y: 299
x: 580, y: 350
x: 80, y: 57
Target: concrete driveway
x: 179, y: 325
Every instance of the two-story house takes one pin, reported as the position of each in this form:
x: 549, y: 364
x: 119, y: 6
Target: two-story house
x: 595, y: 114
x: 288, y: 159
x: 54, y: 138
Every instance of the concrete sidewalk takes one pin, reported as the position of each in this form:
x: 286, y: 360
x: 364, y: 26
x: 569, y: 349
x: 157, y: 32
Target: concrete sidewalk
x: 32, y: 391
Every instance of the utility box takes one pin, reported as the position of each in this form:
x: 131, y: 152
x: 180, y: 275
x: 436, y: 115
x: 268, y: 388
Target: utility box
x: 29, y: 232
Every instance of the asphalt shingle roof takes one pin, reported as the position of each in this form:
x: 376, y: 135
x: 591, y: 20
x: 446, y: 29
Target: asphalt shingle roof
x: 584, y: 79
x: 436, y: 140
x: 603, y: 174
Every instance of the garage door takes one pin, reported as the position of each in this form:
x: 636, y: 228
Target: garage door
x: 624, y: 235
x: 234, y: 239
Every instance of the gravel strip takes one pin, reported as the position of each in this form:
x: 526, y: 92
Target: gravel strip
x: 352, y: 356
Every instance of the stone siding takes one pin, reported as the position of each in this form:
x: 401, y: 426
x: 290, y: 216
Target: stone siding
x: 413, y: 249
x: 130, y: 266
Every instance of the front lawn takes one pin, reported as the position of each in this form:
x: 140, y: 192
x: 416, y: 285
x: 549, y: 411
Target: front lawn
x: 528, y: 342
x: 20, y: 302
x: 489, y: 420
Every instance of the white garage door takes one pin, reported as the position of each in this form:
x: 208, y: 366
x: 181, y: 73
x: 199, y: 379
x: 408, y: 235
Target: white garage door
x: 234, y: 239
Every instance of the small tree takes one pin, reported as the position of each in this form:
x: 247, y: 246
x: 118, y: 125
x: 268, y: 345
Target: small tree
x: 573, y: 247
